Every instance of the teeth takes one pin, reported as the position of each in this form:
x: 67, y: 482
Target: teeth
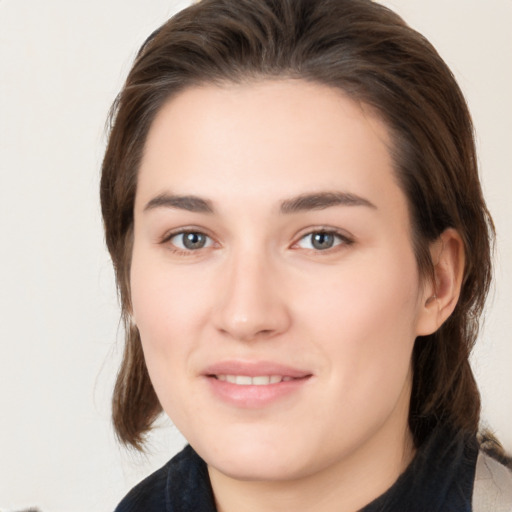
x: 260, y: 380
x: 242, y: 380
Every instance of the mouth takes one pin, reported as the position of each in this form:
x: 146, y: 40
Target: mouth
x: 249, y: 385
x: 258, y: 380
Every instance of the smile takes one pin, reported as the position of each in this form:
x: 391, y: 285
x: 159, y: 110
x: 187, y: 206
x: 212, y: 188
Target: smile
x: 260, y: 380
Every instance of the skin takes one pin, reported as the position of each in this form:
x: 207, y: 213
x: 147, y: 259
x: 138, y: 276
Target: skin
x: 259, y: 290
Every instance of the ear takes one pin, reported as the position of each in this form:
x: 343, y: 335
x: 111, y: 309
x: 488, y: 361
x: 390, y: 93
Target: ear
x: 440, y: 297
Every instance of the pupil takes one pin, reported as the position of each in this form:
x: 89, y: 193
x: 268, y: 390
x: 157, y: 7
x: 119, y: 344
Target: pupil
x: 323, y: 240
x: 194, y: 240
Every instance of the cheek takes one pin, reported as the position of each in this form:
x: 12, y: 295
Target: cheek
x: 166, y: 310
x: 163, y: 309
x: 364, y: 317
x: 165, y: 299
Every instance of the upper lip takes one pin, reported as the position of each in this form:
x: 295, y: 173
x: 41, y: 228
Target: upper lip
x: 254, y: 369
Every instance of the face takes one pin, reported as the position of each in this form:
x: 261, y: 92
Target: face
x: 273, y: 278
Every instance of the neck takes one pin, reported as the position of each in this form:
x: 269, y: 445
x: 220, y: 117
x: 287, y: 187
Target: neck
x: 345, y: 486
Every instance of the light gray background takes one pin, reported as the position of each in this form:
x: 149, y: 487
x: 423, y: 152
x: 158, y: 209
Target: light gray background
x: 61, y: 64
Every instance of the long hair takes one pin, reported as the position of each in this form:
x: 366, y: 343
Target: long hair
x: 369, y: 53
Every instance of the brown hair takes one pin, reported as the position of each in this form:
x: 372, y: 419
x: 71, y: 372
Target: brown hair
x: 369, y: 53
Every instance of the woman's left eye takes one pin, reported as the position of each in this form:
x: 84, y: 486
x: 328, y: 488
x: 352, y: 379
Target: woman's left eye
x: 322, y: 240
x: 190, y: 240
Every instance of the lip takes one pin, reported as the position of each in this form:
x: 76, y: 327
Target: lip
x: 254, y: 368
x: 253, y: 396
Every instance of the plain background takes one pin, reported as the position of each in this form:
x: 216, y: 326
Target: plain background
x: 61, y: 64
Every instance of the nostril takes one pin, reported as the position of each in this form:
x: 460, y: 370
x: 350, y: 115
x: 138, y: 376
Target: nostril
x: 264, y: 332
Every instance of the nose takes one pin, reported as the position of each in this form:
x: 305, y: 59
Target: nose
x: 252, y: 303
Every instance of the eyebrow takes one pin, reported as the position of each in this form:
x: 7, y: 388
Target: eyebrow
x: 303, y: 202
x: 188, y: 203
x: 322, y: 200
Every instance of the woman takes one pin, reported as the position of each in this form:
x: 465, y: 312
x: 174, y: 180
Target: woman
x: 292, y: 204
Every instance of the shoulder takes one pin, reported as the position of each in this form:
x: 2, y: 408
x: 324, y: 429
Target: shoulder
x: 150, y: 495
x: 493, y: 486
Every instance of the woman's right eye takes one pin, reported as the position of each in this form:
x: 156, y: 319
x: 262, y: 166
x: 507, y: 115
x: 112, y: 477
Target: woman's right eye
x: 190, y: 240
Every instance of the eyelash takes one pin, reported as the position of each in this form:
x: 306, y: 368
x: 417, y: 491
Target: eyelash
x: 185, y: 252
x: 340, y: 238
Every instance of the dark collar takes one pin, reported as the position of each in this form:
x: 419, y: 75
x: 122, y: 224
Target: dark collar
x: 439, y: 478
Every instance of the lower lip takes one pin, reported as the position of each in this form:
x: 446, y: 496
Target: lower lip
x: 253, y: 397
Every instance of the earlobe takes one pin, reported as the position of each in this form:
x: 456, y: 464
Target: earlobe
x: 440, y: 297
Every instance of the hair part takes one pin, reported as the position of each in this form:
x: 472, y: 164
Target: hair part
x: 366, y: 51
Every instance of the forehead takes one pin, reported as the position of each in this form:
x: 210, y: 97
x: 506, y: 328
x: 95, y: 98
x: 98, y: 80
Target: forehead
x: 241, y: 138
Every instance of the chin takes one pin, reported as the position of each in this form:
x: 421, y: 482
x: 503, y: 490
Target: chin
x: 257, y: 468
x: 257, y: 459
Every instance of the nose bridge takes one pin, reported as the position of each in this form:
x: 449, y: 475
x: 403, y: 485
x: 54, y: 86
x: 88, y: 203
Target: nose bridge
x: 251, y: 305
